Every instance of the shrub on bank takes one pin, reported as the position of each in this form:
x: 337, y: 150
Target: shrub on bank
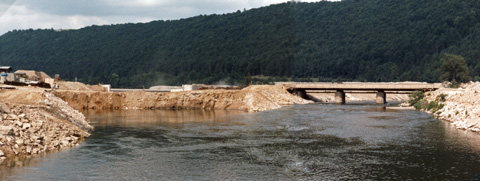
x: 419, y: 103
x: 416, y: 97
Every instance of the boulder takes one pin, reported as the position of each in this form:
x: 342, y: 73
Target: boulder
x: 19, y: 141
x: 4, y: 108
x: 6, y: 130
x: 19, y: 123
x: 26, y: 125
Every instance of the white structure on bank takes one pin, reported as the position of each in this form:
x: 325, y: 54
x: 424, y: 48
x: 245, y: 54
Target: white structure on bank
x: 190, y: 87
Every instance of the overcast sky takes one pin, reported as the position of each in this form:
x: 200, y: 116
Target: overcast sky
x: 74, y: 14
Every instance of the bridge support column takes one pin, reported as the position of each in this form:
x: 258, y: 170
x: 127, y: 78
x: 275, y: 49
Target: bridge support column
x: 381, y: 97
x: 340, y: 97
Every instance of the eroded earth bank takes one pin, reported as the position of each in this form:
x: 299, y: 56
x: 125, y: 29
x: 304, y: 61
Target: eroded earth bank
x: 251, y: 99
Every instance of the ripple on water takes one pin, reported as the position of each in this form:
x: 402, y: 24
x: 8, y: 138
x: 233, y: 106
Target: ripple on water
x: 301, y: 142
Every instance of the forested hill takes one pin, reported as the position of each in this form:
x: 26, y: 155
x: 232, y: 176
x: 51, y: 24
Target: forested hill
x: 352, y: 40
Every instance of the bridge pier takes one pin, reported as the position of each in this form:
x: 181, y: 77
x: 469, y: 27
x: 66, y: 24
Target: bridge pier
x: 340, y: 97
x: 381, y: 97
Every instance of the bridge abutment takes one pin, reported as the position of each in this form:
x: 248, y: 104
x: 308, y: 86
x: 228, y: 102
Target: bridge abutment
x: 340, y: 97
x: 301, y: 93
x: 381, y: 97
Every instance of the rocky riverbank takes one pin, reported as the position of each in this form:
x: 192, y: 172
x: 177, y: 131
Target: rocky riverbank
x: 33, y: 121
x: 251, y: 99
x: 461, y: 107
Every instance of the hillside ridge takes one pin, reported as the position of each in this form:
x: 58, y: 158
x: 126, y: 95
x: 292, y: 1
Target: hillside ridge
x: 366, y: 40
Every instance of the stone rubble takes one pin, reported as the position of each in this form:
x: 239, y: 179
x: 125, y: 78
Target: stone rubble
x: 461, y: 106
x: 39, y: 127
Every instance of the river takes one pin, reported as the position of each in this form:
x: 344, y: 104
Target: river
x: 301, y: 142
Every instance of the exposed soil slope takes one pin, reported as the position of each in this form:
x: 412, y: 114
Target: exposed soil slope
x: 252, y: 99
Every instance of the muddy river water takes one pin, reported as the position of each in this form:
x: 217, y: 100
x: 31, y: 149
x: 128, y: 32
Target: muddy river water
x: 301, y: 142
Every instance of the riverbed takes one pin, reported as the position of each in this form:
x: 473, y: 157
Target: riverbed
x: 300, y: 142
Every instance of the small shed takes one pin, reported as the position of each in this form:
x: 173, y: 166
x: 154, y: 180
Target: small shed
x: 5, y: 69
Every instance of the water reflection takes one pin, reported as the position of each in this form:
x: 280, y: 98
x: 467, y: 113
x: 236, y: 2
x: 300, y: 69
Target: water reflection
x: 166, y: 118
x: 301, y: 142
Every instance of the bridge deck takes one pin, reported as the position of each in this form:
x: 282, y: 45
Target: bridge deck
x: 380, y: 89
x: 401, y: 86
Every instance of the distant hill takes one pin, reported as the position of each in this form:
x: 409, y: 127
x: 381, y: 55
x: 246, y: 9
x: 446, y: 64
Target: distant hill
x: 351, y: 40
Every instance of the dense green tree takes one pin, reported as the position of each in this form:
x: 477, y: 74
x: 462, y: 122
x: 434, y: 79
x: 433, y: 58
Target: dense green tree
x: 349, y: 40
x: 454, y: 68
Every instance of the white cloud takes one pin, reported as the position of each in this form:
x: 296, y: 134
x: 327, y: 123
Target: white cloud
x: 74, y: 14
x: 4, y: 5
x: 19, y: 17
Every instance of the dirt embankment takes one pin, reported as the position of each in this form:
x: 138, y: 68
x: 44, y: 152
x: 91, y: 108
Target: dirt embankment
x: 252, y: 99
x: 77, y: 86
x: 461, y: 106
x: 34, y: 121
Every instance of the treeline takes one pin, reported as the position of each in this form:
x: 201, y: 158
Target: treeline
x: 351, y: 40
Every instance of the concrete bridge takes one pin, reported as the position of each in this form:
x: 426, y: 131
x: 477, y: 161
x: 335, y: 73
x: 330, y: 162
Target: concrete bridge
x: 340, y: 88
